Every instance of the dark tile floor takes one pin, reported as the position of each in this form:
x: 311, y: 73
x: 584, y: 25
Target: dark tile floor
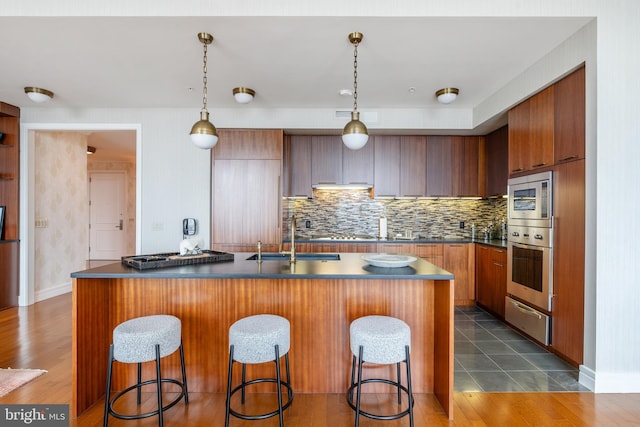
x: 492, y: 357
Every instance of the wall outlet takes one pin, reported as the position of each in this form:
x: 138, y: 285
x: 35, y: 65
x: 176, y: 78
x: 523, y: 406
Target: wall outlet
x: 307, y: 224
x: 462, y: 224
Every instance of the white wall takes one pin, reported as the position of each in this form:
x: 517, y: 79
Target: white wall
x: 613, y: 348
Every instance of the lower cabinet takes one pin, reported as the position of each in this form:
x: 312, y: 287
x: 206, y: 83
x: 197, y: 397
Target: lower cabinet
x: 491, y: 279
x: 431, y: 252
x: 459, y: 259
x: 9, y: 273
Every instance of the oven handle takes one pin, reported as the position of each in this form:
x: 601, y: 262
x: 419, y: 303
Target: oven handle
x: 525, y: 246
x: 526, y: 310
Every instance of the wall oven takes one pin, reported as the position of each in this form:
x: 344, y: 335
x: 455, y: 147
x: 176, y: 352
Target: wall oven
x: 529, y: 302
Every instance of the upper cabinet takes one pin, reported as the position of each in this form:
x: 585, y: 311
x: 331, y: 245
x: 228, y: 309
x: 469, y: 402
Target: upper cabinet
x: 531, y: 133
x: 386, y: 170
x: 548, y: 128
x: 466, y: 173
x: 496, y: 160
x: 413, y: 159
x: 253, y: 144
x: 326, y: 159
x: 570, y: 117
x: 297, y: 166
x: 357, y: 165
x: 439, y: 161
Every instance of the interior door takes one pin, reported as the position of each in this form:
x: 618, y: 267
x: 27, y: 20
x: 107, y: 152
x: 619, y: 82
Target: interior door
x: 107, y: 234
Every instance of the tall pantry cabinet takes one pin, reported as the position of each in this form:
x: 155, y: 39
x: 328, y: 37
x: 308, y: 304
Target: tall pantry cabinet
x: 9, y: 203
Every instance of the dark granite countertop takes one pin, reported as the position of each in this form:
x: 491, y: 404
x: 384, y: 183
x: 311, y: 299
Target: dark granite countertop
x: 350, y: 266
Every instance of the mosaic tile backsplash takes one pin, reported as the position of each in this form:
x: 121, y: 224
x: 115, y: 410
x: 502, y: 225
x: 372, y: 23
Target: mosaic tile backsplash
x: 354, y: 212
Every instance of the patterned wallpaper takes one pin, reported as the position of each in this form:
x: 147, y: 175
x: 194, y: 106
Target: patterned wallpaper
x: 61, y: 208
x: 354, y: 212
x: 130, y: 173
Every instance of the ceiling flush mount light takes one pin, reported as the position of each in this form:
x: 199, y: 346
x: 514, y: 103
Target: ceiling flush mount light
x: 447, y: 95
x: 203, y: 133
x: 90, y: 149
x: 355, y: 134
x: 243, y: 95
x: 37, y: 94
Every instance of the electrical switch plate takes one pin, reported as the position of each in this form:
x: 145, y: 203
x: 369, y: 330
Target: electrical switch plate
x: 307, y: 224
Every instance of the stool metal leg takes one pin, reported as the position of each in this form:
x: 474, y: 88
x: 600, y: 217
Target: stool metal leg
x: 244, y: 380
x: 279, y: 385
x: 229, y: 375
x: 107, y: 399
x: 409, y: 392
x: 399, y: 390
x: 358, y: 390
x: 139, y: 390
x: 184, y: 375
x: 159, y: 382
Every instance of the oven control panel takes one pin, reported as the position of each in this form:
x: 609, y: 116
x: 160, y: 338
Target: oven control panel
x: 534, y: 236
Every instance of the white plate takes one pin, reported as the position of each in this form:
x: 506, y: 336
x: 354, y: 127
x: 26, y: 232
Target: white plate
x: 388, y: 260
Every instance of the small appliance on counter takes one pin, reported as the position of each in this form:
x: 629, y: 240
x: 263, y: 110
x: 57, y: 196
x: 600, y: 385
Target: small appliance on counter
x: 382, y: 228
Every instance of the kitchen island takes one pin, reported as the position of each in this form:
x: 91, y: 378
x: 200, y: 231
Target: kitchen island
x: 320, y: 299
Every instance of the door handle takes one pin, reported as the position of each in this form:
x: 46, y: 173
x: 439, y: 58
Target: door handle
x: 120, y: 224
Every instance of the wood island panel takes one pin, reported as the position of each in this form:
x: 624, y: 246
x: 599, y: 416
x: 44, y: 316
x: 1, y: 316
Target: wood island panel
x: 320, y: 311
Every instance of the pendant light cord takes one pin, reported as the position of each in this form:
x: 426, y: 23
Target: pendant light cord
x: 355, y: 76
x: 204, y: 78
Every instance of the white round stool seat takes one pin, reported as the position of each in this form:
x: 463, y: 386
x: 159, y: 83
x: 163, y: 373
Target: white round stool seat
x: 253, y: 338
x: 382, y: 338
x: 134, y: 341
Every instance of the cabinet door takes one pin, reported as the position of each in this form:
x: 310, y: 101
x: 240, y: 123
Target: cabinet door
x: 395, y: 248
x: 540, y: 148
x: 298, y: 166
x: 244, y: 144
x: 497, y: 162
x: 439, y: 166
x: 484, y: 276
x: 459, y: 259
x: 245, y: 202
x: 465, y: 166
x: 413, y: 158
x: 326, y: 158
x: 386, y: 173
x: 9, y: 266
x: 568, y: 259
x: 518, y: 137
x: 431, y: 252
x: 357, y: 165
x: 499, y: 267
x: 570, y: 117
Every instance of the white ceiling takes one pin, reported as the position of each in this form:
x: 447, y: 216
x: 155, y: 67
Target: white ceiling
x: 291, y: 62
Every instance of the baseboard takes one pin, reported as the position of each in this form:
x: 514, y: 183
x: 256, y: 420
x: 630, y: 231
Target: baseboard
x: 587, y: 377
x: 610, y: 382
x: 53, y: 291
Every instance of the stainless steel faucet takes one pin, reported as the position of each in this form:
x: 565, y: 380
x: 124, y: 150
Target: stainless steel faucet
x: 292, y: 252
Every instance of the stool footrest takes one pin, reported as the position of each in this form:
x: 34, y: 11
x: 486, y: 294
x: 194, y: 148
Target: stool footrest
x: 265, y: 415
x: 146, y: 414
x: 376, y: 416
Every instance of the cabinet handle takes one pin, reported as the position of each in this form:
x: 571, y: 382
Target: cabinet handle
x: 498, y: 264
x: 517, y: 170
x: 526, y: 310
x: 566, y: 159
x: 538, y: 165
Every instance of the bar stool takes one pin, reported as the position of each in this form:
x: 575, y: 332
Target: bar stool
x: 259, y: 339
x: 380, y: 340
x: 139, y: 340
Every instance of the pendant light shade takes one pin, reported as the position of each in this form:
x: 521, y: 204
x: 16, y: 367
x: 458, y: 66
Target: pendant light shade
x: 203, y: 132
x: 355, y: 134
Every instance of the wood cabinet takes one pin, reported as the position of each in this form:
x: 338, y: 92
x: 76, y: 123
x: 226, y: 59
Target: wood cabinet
x: 459, y: 259
x: 466, y: 174
x: 438, y: 163
x: 568, y: 260
x: 10, y: 199
x: 297, y: 166
x: 413, y: 158
x: 496, y: 162
x: 531, y: 131
x: 326, y: 159
x: 491, y: 278
x: 432, y: 252
x: 570, y: 117
x: 357, y: 165
x: 386, y: 172
x: 245, y: 201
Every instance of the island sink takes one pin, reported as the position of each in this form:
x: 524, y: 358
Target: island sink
x: 299, y: 256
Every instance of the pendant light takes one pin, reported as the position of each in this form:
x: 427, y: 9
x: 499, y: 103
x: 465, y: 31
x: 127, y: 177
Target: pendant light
x: 203, y: 133
x: 355, y: 134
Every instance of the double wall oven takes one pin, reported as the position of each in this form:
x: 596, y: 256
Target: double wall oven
x: 529, y: 301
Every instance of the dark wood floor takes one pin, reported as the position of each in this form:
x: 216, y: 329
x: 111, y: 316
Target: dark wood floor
x: 39, y: 337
